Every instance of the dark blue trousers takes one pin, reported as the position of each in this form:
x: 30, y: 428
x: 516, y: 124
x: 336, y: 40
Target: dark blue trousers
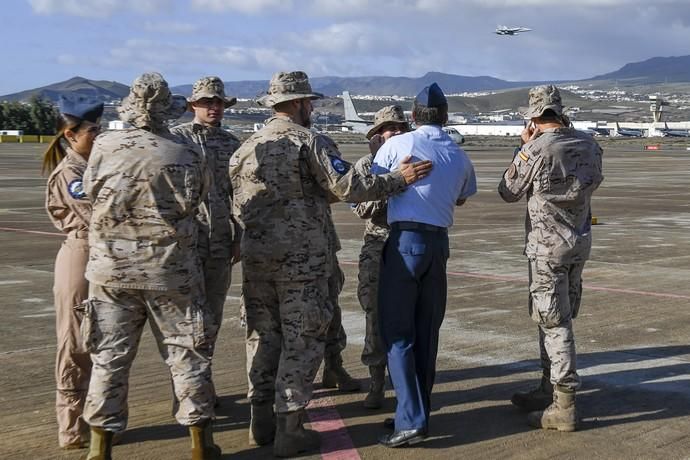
x: 412, y: 304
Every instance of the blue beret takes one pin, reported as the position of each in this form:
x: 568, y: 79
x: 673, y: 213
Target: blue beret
x: 431, y: 96
x: 81, y: 108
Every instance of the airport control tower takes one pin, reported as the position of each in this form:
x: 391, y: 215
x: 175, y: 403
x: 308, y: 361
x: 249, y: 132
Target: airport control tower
x: 657, y: 107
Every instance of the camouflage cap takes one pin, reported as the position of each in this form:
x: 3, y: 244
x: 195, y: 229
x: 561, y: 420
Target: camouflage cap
x: 288, y: 86
x: 211, y: 87
x: 391, y: 114
x: 541, y: 99
x: 150, y: 102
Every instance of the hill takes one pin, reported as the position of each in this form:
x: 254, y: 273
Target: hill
x: 674, y: 69
x: 100, y: 90
x: 649, y: 76
x: 376, y: 85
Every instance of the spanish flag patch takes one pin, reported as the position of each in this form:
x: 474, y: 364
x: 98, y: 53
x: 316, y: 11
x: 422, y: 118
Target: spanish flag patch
x: 523, y: 156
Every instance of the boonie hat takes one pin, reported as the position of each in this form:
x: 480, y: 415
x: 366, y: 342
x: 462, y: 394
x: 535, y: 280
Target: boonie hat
x: 80, y: 107
x: 391, y: 114
x: 288, y: 86
x: 150, y: 102
x: 211, y: 87
x: 541, y: 99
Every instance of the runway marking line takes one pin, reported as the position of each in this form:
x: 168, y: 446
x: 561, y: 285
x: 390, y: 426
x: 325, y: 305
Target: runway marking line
x: 35, y: 232
x: 664, y: 295
x: 508, y: 278
x: 336, y: 443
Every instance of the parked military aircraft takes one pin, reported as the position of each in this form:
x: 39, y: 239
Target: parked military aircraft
x: 352, y: 119
x: 668, y: 132
x: 505, y: 30
x: 357, y: 124
x: 629, y: 132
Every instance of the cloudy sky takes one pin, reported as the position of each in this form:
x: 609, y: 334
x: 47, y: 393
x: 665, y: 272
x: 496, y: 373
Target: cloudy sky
x: 46, y: 41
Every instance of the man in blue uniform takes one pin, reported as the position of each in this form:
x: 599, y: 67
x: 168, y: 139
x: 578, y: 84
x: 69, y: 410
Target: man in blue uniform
x: 413, y: 285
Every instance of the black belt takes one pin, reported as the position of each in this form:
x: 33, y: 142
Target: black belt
x: 417, y: 226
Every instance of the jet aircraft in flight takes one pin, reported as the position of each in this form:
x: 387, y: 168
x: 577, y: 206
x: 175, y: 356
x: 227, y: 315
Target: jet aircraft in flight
x: 505, y: 30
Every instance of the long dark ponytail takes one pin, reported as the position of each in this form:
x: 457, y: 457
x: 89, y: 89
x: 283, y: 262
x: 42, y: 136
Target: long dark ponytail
x: 56, y: 151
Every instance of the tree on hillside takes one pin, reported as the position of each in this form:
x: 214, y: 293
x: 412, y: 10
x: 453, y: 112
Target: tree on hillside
x: 43, y: 115
x: 16, y: 116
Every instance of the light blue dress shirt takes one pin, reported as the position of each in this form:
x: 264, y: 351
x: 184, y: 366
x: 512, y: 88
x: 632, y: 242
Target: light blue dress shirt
x: 431, y: 200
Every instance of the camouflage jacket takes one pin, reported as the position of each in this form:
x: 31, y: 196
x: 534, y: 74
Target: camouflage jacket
x: 66, y: 203
x: 373, y: 211
x: 217, y: 229
x: 145, y: 189
x: 558, y: 171
x: 284, y: 177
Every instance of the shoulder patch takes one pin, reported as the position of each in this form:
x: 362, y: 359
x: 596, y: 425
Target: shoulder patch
x: 76, y: 189
x: 339, y: 165
x: 523, y: 156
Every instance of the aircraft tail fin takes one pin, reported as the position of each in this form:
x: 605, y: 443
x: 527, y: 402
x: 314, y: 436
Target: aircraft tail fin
x: 350, y: 111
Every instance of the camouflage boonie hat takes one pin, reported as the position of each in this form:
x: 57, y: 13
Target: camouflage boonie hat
x: 211, y: 87
x: 542, y: 98
x: 391, y: 114
x: 288, y: 86
x: 150, y: 102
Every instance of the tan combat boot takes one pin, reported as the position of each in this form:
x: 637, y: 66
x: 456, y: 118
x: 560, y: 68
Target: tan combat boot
x: 536, y: 399
x: 335, y: 376
x: 291, y: 436
x: 560, y: 415
x: 203, y: 447
x: 262, y: 426
x: 101, y: 444
x: 376, y: 396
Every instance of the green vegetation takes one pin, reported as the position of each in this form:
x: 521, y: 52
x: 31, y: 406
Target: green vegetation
x: 35, y: 117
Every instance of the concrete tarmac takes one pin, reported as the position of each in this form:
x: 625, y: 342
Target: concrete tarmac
x: 632, y: 334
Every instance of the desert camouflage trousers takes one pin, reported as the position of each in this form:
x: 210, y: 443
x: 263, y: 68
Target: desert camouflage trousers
x: 286, y: 335
x: 113, y: 323
x: 72, y: 361
x: 555, y: 295
x: 374, y: 353
x: 336, y: 338
x: 217, y: 272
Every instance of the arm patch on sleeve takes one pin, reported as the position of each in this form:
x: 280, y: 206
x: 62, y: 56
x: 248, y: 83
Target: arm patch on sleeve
x: 339, y: 165
x: 76, y: 189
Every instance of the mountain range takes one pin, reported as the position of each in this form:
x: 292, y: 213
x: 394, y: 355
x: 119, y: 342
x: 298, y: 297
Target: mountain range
x: 651, y: 72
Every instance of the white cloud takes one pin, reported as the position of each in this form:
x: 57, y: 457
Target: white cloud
x: 170, y: 27
x: 243, y: 6
x: 139, y: 55
x: 97, y: 8
x: 67, y: 59
x: 347, y: 38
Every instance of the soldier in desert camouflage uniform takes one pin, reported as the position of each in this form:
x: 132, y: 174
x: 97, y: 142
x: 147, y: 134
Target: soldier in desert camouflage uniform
x: 334, y: 374
x: 146, y: 185
x: 284, y: 178
x: 218, y: 235
x: 388, y: 122
x: 558, y: 168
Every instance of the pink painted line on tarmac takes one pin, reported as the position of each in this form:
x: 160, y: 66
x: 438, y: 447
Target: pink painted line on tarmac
x: 484, y: 276
x: 35, y: 232
x: 336, y: 443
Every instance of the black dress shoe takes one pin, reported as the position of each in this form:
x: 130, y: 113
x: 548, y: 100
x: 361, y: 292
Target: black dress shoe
x: 403, y: 438
x: 389, y: 423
